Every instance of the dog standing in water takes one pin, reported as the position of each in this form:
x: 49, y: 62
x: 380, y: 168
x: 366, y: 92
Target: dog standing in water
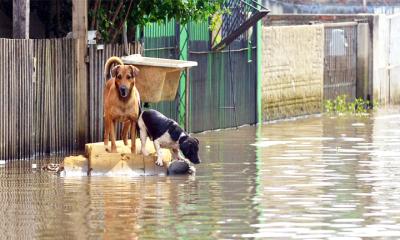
x: 121, y: 101
x: 166, y: 133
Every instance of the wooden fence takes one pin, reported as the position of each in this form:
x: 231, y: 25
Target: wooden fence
x: 39, y: 91
x: 37, y: 98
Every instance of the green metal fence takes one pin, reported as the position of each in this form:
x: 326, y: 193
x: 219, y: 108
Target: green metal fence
x: 222, y: 87
x: 160, y: 40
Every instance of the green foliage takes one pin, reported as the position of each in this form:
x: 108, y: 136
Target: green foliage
x: 108, y: 16
x: 342, y: 105
x: 181, y: 10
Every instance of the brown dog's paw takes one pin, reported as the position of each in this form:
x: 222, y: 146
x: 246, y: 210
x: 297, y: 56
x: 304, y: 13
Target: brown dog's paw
x: 133, y: 150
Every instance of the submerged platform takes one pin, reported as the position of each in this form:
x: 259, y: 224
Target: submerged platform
x: 97, y: 161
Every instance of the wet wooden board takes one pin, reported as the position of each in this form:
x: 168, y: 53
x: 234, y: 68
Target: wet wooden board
x: 97, y: 161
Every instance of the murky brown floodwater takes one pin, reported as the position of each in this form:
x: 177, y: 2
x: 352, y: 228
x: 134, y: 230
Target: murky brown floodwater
x: 312, y: 178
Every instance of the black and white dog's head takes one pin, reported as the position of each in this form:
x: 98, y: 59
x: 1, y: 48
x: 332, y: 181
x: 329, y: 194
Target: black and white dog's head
x: 189, y: 146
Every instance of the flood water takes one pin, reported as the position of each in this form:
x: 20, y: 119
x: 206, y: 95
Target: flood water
x: 318, y: 177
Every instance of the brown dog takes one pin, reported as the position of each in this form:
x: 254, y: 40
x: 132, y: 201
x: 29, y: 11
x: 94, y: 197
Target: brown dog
x: 121, y: 101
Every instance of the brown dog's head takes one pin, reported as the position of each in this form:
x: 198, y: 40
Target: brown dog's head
x: 124, y: 79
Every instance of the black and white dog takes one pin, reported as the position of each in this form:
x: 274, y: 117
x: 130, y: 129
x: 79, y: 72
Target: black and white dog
x: 166, y: 133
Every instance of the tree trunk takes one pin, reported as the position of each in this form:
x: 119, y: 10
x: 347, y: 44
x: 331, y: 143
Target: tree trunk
x: 118, y: 30
x: 93, y: 21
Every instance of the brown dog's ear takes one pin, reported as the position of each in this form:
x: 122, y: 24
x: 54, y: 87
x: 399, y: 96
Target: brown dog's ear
x: 135, y: 71
x: 197, y: 140
x: 115, y: 70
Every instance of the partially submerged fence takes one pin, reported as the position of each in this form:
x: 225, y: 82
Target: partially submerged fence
x: 222, y: 87
x: 37, y: 98
x: 39, y: 91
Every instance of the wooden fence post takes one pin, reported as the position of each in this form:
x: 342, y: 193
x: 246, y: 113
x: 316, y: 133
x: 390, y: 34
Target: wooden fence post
x: 79, y: 29
x: 21, y: 19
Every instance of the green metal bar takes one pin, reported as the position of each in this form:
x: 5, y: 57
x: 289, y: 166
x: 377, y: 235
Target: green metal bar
x: 221, y: 82
x: 249, y: 51
x: 183, y: 55
x: 259, y: 70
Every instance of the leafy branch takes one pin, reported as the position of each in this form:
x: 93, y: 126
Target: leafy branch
x: 108, y: 17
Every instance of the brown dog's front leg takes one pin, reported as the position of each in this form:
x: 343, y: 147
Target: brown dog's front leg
x: 133, y: 137
x: 106, y: 131
x: 112, y: 133
x: 125, y: 130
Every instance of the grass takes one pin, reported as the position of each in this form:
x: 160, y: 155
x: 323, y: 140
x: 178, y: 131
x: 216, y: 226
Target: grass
x: 342, y: 105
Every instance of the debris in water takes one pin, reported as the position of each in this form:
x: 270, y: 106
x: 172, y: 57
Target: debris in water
x: 180, y: 167
x: 53, y: 167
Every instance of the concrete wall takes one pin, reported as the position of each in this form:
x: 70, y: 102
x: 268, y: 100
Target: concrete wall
x: 386, y: 61
x: 380, y: 59
x: 292, y: 71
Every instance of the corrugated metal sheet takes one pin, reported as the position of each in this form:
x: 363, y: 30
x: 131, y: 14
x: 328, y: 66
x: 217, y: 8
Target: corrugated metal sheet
x: 340, y: 61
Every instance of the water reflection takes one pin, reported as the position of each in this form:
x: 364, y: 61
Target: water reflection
x: 216, y: 203
x: 311, y: 178
x: 338, y: 177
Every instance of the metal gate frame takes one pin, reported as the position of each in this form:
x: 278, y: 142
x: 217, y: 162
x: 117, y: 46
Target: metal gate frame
x: 340, y: 60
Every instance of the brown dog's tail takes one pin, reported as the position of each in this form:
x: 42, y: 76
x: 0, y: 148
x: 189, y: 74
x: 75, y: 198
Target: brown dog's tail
x: 112, y: 60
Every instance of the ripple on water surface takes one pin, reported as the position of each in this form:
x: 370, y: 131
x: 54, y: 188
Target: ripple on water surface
x: 311, y: 178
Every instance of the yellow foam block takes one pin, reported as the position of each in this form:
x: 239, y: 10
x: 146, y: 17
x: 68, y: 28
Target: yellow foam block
x: 101, y: 162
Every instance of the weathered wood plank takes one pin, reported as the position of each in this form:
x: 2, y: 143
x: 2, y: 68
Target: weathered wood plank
x: 79, y: 29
